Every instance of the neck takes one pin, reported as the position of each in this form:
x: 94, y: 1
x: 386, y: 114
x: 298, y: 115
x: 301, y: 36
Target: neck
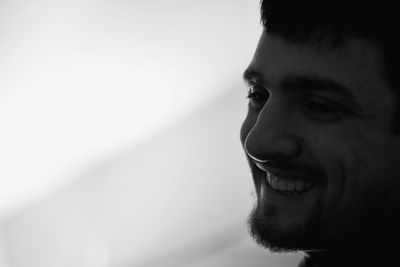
x: 366, y: 252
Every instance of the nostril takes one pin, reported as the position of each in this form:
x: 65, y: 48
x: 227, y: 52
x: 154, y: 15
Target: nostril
x: 256, y: 155
x: 279, y: 147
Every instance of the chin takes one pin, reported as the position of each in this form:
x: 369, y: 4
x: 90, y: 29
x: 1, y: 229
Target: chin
x: 301, y: 236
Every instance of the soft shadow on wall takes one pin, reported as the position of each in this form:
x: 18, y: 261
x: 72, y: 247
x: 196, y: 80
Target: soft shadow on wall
x: 180, y: 199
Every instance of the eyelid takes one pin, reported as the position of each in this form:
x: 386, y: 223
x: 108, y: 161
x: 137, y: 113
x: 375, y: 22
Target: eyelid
x: 257, y: 89
x: 256, y: 85
x: 325, y: 109
x: 257, y: 96
x: 327, y: 101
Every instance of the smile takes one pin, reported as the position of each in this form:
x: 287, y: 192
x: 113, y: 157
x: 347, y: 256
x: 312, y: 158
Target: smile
x: 287, y: 186
x: 285, y: 182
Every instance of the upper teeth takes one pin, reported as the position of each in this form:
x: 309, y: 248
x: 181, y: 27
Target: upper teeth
x: 287, y: 185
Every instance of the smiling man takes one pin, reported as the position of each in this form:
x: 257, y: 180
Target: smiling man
x: 322, y: 135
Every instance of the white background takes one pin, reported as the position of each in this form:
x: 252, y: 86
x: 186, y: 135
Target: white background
x: 119, y: 133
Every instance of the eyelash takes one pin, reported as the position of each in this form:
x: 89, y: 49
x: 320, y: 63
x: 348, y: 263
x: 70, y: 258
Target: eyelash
x: 257, y: 98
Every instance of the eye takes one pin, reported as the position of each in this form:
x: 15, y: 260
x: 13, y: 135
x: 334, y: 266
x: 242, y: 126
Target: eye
x: 257, y: 96
x: 325, y: 110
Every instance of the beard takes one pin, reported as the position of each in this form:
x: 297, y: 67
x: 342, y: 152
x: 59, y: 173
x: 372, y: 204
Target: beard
x: 303, y: 236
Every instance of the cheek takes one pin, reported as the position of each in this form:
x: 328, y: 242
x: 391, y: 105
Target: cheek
x: 332, y: 155
x: 361, y: 168
x: 343, y: 197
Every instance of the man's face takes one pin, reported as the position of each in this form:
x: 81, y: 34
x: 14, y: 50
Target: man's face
x: 317, y: 136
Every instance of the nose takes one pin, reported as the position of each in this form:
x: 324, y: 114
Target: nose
x: 273, y: 137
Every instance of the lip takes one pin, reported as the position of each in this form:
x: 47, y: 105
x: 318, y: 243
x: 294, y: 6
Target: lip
x: 289, y: 175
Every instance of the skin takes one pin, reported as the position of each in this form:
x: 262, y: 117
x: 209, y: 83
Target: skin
x: 346, y: 146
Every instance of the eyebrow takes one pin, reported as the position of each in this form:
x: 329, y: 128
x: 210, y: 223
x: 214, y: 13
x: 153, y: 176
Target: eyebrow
x: 252, y: 77
x: 306, y: 83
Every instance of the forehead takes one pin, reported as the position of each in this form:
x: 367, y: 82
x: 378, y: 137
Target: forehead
x: 357, y: 64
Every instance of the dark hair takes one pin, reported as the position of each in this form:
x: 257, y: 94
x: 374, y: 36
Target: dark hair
x: 331, y: 21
